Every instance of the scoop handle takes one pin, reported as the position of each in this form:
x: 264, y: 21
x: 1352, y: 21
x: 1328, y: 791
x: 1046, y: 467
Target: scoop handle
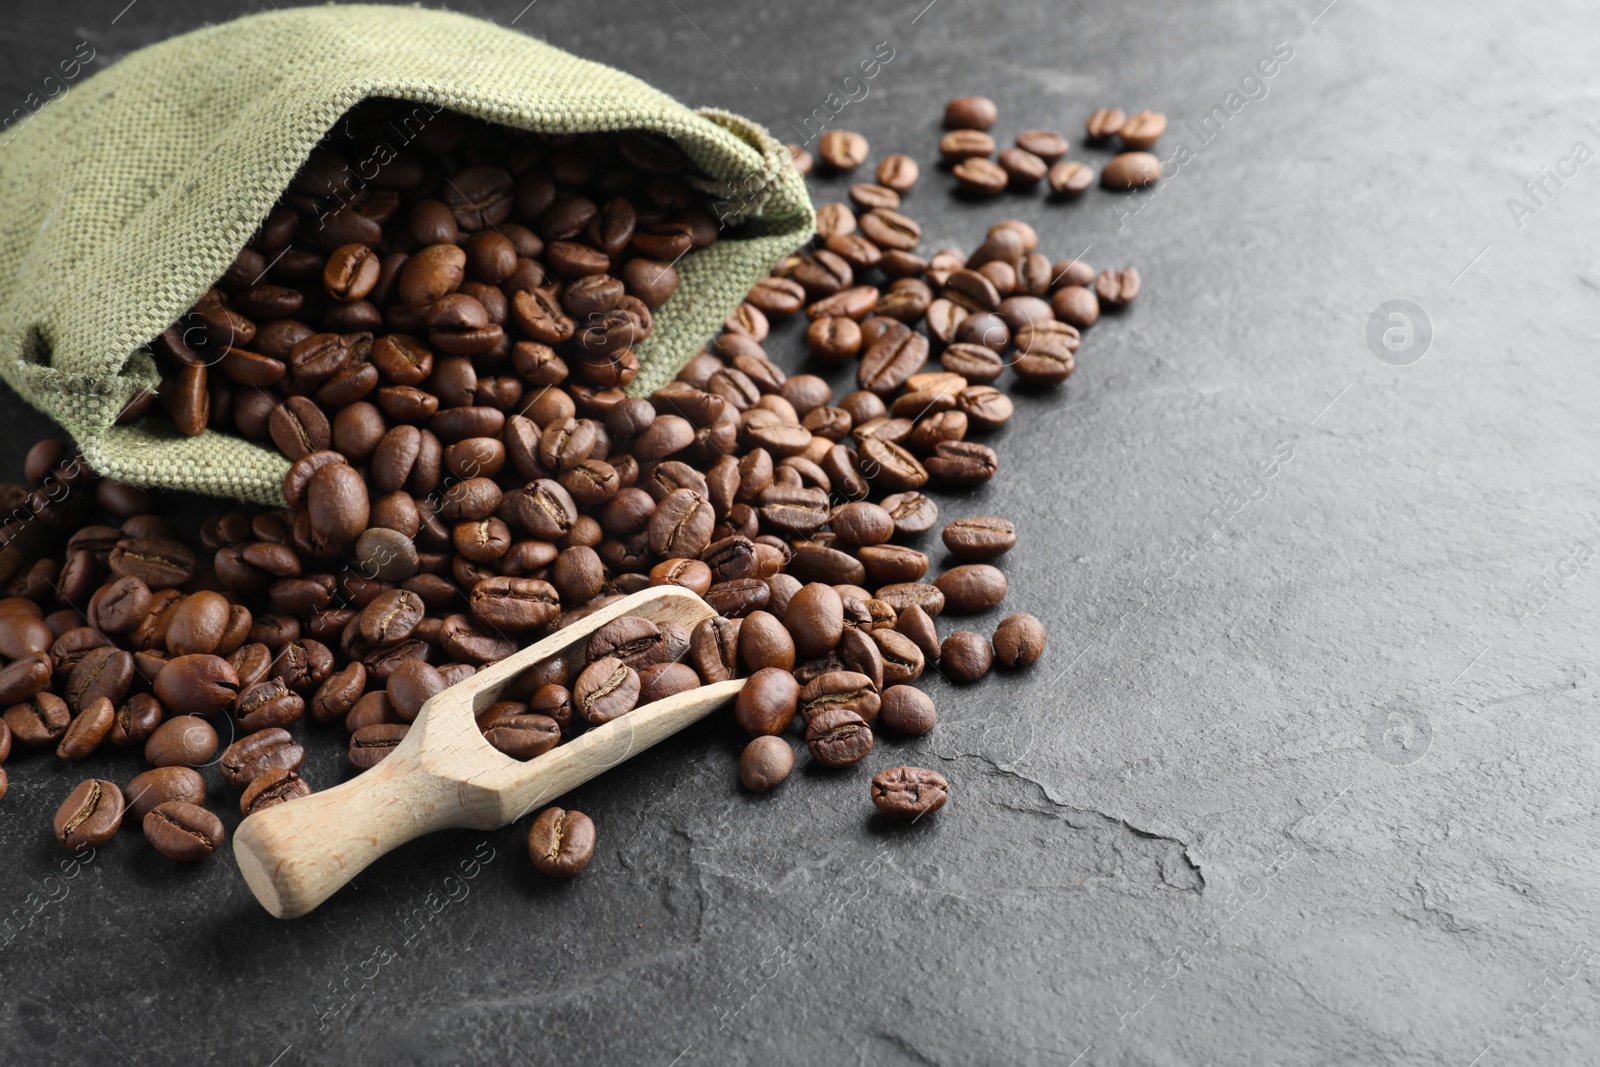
x: 296, y: 855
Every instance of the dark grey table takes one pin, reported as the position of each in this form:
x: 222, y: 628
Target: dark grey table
x: 1307, y: 774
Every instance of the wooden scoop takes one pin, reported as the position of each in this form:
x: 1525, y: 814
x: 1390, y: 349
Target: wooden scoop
x: 296, y: 855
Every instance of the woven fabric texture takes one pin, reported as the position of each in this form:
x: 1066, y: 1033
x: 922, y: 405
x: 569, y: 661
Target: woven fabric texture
x: 127, y: 197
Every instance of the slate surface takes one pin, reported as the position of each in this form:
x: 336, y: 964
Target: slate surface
x: 1306, y: 775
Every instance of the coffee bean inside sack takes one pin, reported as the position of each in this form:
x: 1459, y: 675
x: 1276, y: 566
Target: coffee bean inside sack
x: 443, y: 346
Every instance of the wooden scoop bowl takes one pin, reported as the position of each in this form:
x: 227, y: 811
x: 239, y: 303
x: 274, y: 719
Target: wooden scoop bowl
x: 445, y: 773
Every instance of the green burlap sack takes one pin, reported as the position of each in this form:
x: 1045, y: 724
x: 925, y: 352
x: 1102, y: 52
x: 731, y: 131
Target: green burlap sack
x: 127, y: 197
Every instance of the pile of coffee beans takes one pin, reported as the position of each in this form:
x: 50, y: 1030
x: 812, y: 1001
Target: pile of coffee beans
x: 969, y: 150
x: 440, y: 345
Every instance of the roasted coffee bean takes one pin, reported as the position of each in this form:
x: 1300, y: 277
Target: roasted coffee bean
x: 135, y: 721
x: 903, y: 595
x: 839, y: 689
x: 181, y: 741
x: 607, y: 688
x: 1022, y: 168
x: 970, y: 113
x: 104, y: 672
x: 270, y: 788
x: 561, y: 842
x: 902, y: 659
x: 524, y: 736
x: 369, y: 745
x: 1069, y: 178
x: 979, y: 538
x: 1046, y: 144
x: 155, y: 787
x: 635, y: 641
x: 907, y: 710
x: 183, y: 831
x: 972, y: 587
x: 1104, y: 123
x: 661, y: 680
x: 767, y: 703
x: 764, y: 642
x: 198, y: 684
x: 90, y: 815
x: 256, y: 753
x: 815, y: 617
x: 1018, y: 640
x: 1117, y: 288
x: 1131, y: 170
x: 837, y: 737
x: 965, y: 656
x: 87, y: 730
x: 157, y: 562
x: 962, y: 463
x: 714, y: 648
x: 909, y: 793
x: 898, y: 172
x: 765, y: 762
x: 842, y: 149
x: 958, y: 146
x: 1142, y: 130
x: 913, y: 513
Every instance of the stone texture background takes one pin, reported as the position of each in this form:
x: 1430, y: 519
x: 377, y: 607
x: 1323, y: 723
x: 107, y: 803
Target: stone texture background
x: 1307, y: 773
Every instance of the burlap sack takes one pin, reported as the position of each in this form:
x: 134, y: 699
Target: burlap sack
x: 126, y: 197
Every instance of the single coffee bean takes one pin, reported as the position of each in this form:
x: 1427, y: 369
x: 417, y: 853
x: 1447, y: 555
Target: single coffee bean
x: 970, y: 113
x: 183, y: 831
x: 767, y: 703
x: 1131, y: 170
x: 1022, y: 167
x: 1076, y: 305
x: 971, y: 588
x: 1018, y: 640
x: 635, y: 641
x: 181, y: 741
x: 908, y: 793
x: 270, y: 788
x: 155, y: 787
x: 250, y: 756
x: 958, y: 146
x: 837, y: 737
x: 962, y: 463
x: 369, y: 745
x: 1069, y: 178
x: 907, y: 710
x: 965, y: 656
x: 136, y: 720
x: 898, y: 172
x: 561, y: 842
x: 658, y: 681
x: 764, y: 642
x: 714, y: 648
x: 903, y: 595
x: 1117, y: 288
x: 607, y: 689
x: 842, y: 149
x: 765, y: 762
x: 839, y: 689
x: 980, y: 538
x: 1104, y: 123
x: 87, y: 730
x: 914, y: 623
x: 89, y: 816
x: 197, y: 684
x: 524, y: 736
x: 1048, y: 145
x: 1142, y: 130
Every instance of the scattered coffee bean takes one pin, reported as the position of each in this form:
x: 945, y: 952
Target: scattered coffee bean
x: 1131, y: 170
x: 970, y: 113
x: 1069, y: 178
x: 90, y: 815
x: 1104, y: 124
x: 183, y: 831
x: 156, y: 787
x: 907, y: 710
x: 965, y: 656
x: 561, y: 842
x: 842, y: 149
x: 979, y: 538
x: 1140, y: 131
x: 837, y: 737
x: 272, y: 787
x: 765, y: 762
x: 908, y: 793
x: 1018, y: 640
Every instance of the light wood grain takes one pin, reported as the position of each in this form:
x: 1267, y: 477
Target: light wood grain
x: 445, y: 774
